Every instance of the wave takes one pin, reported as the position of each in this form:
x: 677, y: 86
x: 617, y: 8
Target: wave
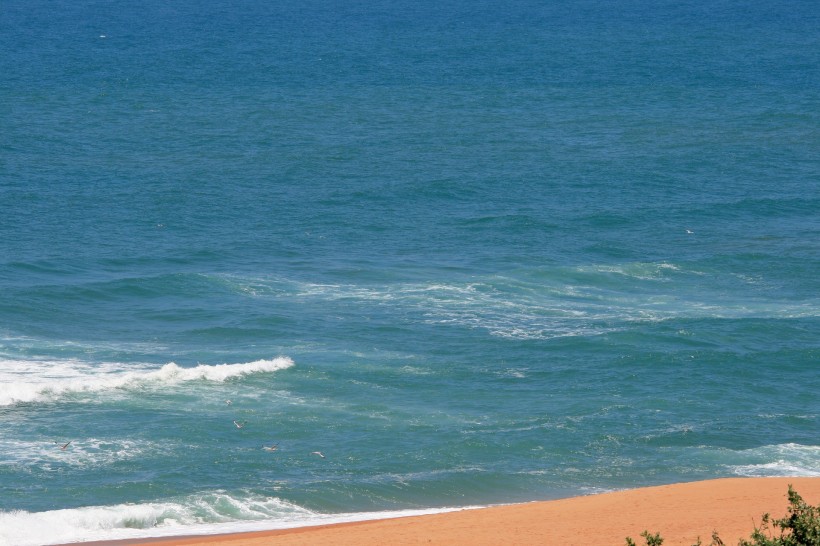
x: 779, y: 460
x: 37, y: 381
x: 206, y: 513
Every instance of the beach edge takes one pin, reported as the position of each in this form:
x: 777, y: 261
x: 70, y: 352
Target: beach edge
x: 682, y: 513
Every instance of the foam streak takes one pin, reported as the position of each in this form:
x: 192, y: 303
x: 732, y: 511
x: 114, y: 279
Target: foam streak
x: 30, y: 386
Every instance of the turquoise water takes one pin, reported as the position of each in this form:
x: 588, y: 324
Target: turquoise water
x: 473, y: 253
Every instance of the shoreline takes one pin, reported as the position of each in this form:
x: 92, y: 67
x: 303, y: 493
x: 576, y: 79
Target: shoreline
x: 681, y: 513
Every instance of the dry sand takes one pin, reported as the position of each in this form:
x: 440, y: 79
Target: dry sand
x: 681, y: 513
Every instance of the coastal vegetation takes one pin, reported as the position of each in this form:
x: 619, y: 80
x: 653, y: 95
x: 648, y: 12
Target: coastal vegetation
x: 800, y: 527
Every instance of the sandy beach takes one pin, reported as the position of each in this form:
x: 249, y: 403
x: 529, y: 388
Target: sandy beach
x: 681, y: 513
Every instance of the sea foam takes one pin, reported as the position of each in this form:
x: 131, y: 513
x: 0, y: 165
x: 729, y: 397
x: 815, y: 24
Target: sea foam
x: 780, y: 460
x: 25, y: 381
x: 207, y: 513
x: 193, y: 513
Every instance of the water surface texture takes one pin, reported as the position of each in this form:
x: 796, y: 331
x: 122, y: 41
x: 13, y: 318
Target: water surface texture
x: 470, y: 252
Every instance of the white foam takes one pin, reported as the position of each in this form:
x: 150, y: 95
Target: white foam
x: 638, y: 270
x: 209, y: 513
x: 777, y: 468
x: 90, y: 452
x: 779, y: 460
x: 564, y: 302
x: 35, y: 381
x: 174, y: 517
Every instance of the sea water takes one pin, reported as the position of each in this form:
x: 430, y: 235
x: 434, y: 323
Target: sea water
x: 469, y: 252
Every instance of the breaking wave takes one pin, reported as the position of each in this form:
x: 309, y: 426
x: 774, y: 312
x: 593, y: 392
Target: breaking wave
x: 29, y: 381
x: 779, y: 460
x: 207, y: 513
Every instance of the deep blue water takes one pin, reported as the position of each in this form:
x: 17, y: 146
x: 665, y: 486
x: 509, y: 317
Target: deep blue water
x: 472, y: 252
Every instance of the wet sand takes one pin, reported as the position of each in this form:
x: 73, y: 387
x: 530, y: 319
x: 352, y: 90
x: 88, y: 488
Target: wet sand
x: 681, y: 513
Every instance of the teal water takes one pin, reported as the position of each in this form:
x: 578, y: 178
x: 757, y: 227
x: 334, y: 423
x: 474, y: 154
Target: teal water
x: 471, y: 253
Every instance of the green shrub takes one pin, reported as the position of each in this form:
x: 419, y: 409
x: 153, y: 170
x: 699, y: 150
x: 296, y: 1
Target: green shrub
x: 651, y: 540
x: 800, y: 527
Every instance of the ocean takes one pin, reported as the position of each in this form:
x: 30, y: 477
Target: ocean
x: 436, y: 254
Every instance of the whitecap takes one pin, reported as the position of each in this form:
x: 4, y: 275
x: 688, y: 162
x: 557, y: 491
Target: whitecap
x: 30, y: 381
x: 199, y: 514
x: 778, y: 460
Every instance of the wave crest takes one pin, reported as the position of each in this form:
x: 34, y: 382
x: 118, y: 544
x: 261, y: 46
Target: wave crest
x: 40, y: 381
x: 174, y: 517
x: 207, y: 513
x: 780, y: 460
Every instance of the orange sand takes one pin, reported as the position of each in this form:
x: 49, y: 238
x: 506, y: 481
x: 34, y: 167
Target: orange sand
x: 681, y: 513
